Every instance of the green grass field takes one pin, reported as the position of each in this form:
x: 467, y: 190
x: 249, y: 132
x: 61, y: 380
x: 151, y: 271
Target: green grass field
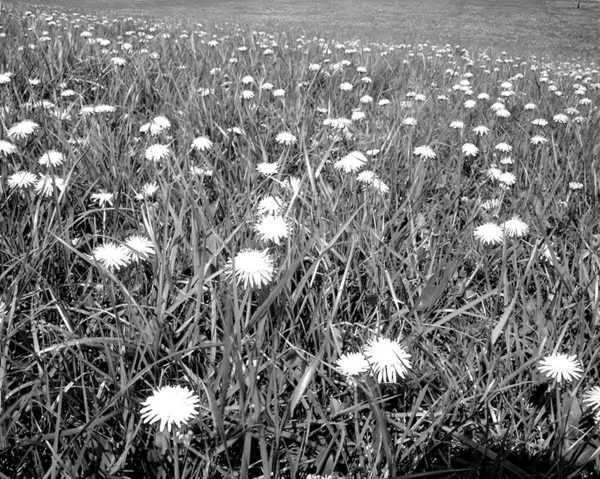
x: 233, y: 252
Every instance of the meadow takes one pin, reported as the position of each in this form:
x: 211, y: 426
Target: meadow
x: 230, y: 252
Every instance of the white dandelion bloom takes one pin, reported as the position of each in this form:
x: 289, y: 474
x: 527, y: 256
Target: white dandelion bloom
x: 7, y: 148
x: 111, y: 255
x: 515, y: 227
x: 202, y: 143
x: 254, y: 268
x: 503, y: 147
x: 481, y: 130
x: 469, y: 149
x: 156, y: 126
x: 46, y: 183
x: 269, y: 205
x: 21, y: 180
x: 351, y: 163
x: 424, y: 151
x: 279, y: 93
x: 358, y: 115
x: 538, y: 140
x: 171, y: 405
x: 103, y: 198
x: 539, y: 122
x: 148, y: 190
x: 388, y: 359
x: 560, y: 118
x: 272, y: 228
x: 52, y: 157
x: 591, y: 399
x: 561, y: 367
x: 139, y: 247
x: 383, y: 101
x: 346, y: 86
x: 530, y: 106
x: 489, y: 233
x: 23, y: 129
x: 409, y: 121
x: 267, y: 169
x: 470, y: 104
x: 457, y: 125
x: 507, y: 178
x: 286, y: 138
x: 157, y: 152
x: 575, y: 185
x: 366, y: 99
x: 352, y: 364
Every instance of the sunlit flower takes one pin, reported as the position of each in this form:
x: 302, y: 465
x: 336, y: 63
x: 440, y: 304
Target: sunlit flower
x: 352, y: 364
x: 247, y: 94
x: 23, y: 129
x: 253, y: 268
x: 470, y: 104
x: 560, y: 366
x: 157, y: 152
x: 469, y: 149
x: 383, y: 101
x: 156, y: 126
x: 507, y: 178
x: 272, y: 228
x: 111, y: 255
x: 539, y: 122
x: 269, y: 205
x: 52, y: 157
x: 530, y: 106
x: 286, y: 138
x: 358, y: 115
x: 575, y: 185
x: 171, y: 405
x: 515, y: 227
x: 202, y: 143
x: 148, y: 190
x: 388, y: 359
x: 503, y: 147
x: 365, y: 99
x: 103, y: 198
x: 507, y: 160
x: 489, y: 233
x: 481, y: 130
x: 279, y: 93
x: 104, y: 109
x: 503, y: 113
x: 351, y: 163
x: 7, y: 148
x: 248, y: 80
x: 118, y: 61
x: 424, y: 151
x: 267, y: 168
x: 21, y: 179
x: 45, y: 184
x: 5, y: 78
x: 560, y: 118
x: 492, y: 204
x: 139, y: 247
x: 346, y: 86
x: 409, y: 121
x: 457, y: 125
x: 591, y: 399
x: 538, y: 140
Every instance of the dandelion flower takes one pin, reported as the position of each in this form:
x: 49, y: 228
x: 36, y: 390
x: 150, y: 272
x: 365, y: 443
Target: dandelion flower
x: 352, y: 364
x: 503, y: 113
x: 424, y: 151
x: 489, y: 233
x: 157, y: 152
x: 269, y: 205
x: 118, y: 61
x: 358, y: 116
x: 560, y: 118
x: 23, y: 129
x: 507, y: 178
x: 592, y: 399
x: 469, y: 149
x: 279, y: 93
x: 561, y: 366
x: 470, y: 104
x: 366, y: 99
x: 156, y: 126
x: 272, y: 228
x: 539, y: 122
x: 247, y: 94
x: 409, y: 121
x: 171, y: 405
x: 111, y: 255
x: 530, y: 106
x: 351, y: 163
x: 286, y: 138
x: 267, y: 168
x: 383, y: 101
x: 45, y: 185
x: 388, y: 359
x: 52, y: 157
x: 21, y: 179
x: 515, y: 227
x: 139, y: 247
x: 104, y: 109
x: 457, y: 125
x: 7, y: 148
x: 5, y: 78
x: 503, y: 147
x: 346, y: 86
x: 103, y: 198
x: 575, y: 185
x: 148, y: 190
x: 481, y: 130
x: 538, y: 140
x: 491, y: 204
x: 253, y: 268
x: 202, y: 143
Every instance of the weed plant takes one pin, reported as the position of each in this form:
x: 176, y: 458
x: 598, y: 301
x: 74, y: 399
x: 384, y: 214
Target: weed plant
x: 307, y: 199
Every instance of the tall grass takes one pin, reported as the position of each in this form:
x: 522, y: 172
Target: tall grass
x: 83, y: 345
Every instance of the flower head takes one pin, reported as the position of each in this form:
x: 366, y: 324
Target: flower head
x: 45, y: 184
x: 157, y: 152
x: 269, y: 205
x: 469, y: 149
x: 489, y: 233
x: 103, y: 198
x: 52, y: 157
x: 202, y: 143
x: 112, y: 256
x: 424, y: 151
x: 592, y: 399
x: 170, y: 405
x: 286, y: 138
x: 515, y: 227
x: 352, y: 364
x: 21, y: 179
x: 561, y: 366
x: 7, y: 148
x: 351, y: 163
x: 139, y: 247
x: 272, y: 228
x: 23, y: 129
x: 253, y: 268
x: 388, y: 359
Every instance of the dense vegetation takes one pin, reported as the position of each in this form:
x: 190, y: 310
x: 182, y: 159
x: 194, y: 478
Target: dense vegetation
x: 442, y: 200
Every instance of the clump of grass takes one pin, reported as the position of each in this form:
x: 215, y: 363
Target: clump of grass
x: 122, y: 273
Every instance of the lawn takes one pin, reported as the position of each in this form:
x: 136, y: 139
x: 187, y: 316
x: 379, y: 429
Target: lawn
x: 231, y: 252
